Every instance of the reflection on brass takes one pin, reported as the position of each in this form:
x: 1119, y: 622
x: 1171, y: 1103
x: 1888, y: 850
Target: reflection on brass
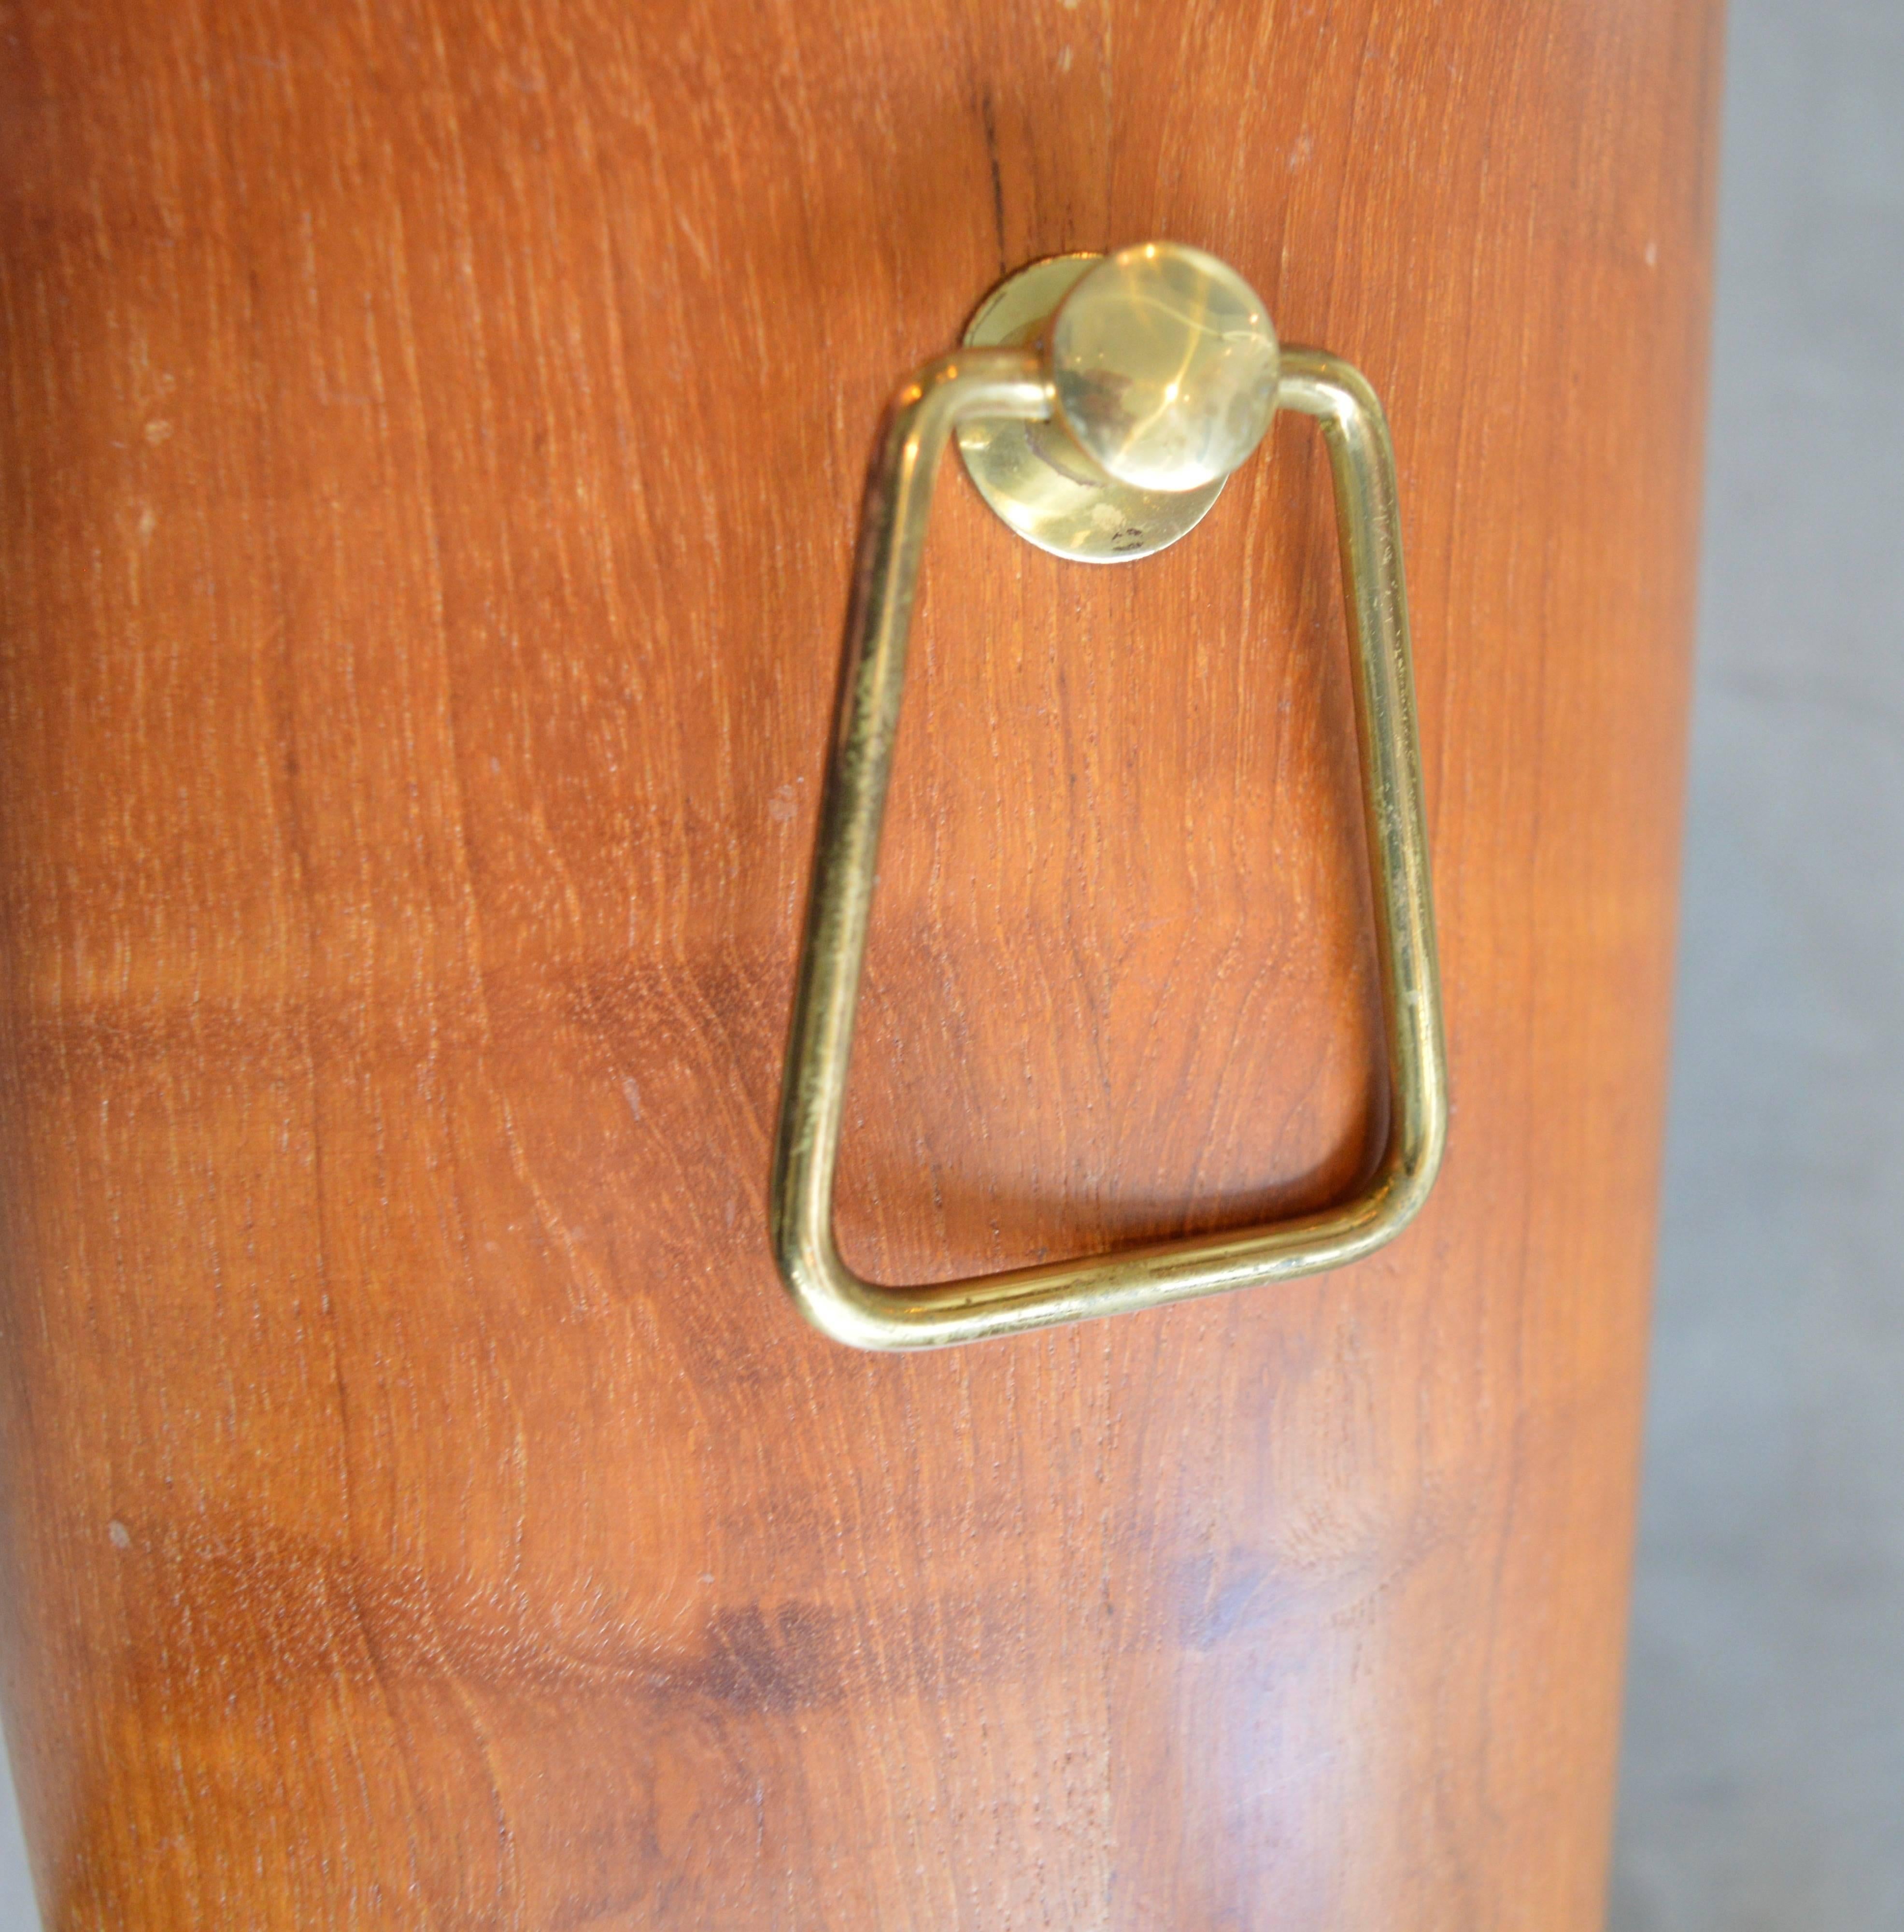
x: 1164, y: 364
x: 1215, y: 352
x: 1035, y: 474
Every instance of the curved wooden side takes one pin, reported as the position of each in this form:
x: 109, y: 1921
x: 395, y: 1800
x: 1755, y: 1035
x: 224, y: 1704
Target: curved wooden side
x: 431, y: 443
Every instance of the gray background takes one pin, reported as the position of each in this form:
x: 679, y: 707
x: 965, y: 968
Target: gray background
x: 1763, y: 1785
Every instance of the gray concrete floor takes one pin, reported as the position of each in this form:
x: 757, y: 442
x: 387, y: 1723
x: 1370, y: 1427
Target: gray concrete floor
x: 17, y: 1911
x: 1763, y: 1783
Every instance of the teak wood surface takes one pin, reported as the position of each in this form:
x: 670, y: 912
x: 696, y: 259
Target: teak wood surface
x: 432, y: 443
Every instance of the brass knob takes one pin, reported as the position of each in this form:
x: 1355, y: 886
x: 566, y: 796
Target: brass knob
x: 1163, y: 365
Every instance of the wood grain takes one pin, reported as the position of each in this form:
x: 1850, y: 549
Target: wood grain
x: 431, y: 443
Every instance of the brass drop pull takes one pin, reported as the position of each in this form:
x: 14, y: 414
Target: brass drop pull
x: 1101, y: 402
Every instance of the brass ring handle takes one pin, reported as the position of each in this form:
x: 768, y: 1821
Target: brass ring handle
x: 1109, y: 387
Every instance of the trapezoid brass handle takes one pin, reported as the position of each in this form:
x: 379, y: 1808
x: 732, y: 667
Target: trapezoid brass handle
x: 1101, y: 402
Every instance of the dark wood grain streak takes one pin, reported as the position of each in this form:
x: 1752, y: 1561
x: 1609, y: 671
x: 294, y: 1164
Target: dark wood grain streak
x: 431, y: 444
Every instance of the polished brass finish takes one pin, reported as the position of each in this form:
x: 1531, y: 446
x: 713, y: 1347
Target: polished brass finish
x: 1164, y: 364
x: 1034, y: 474
x: 989, y: 385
